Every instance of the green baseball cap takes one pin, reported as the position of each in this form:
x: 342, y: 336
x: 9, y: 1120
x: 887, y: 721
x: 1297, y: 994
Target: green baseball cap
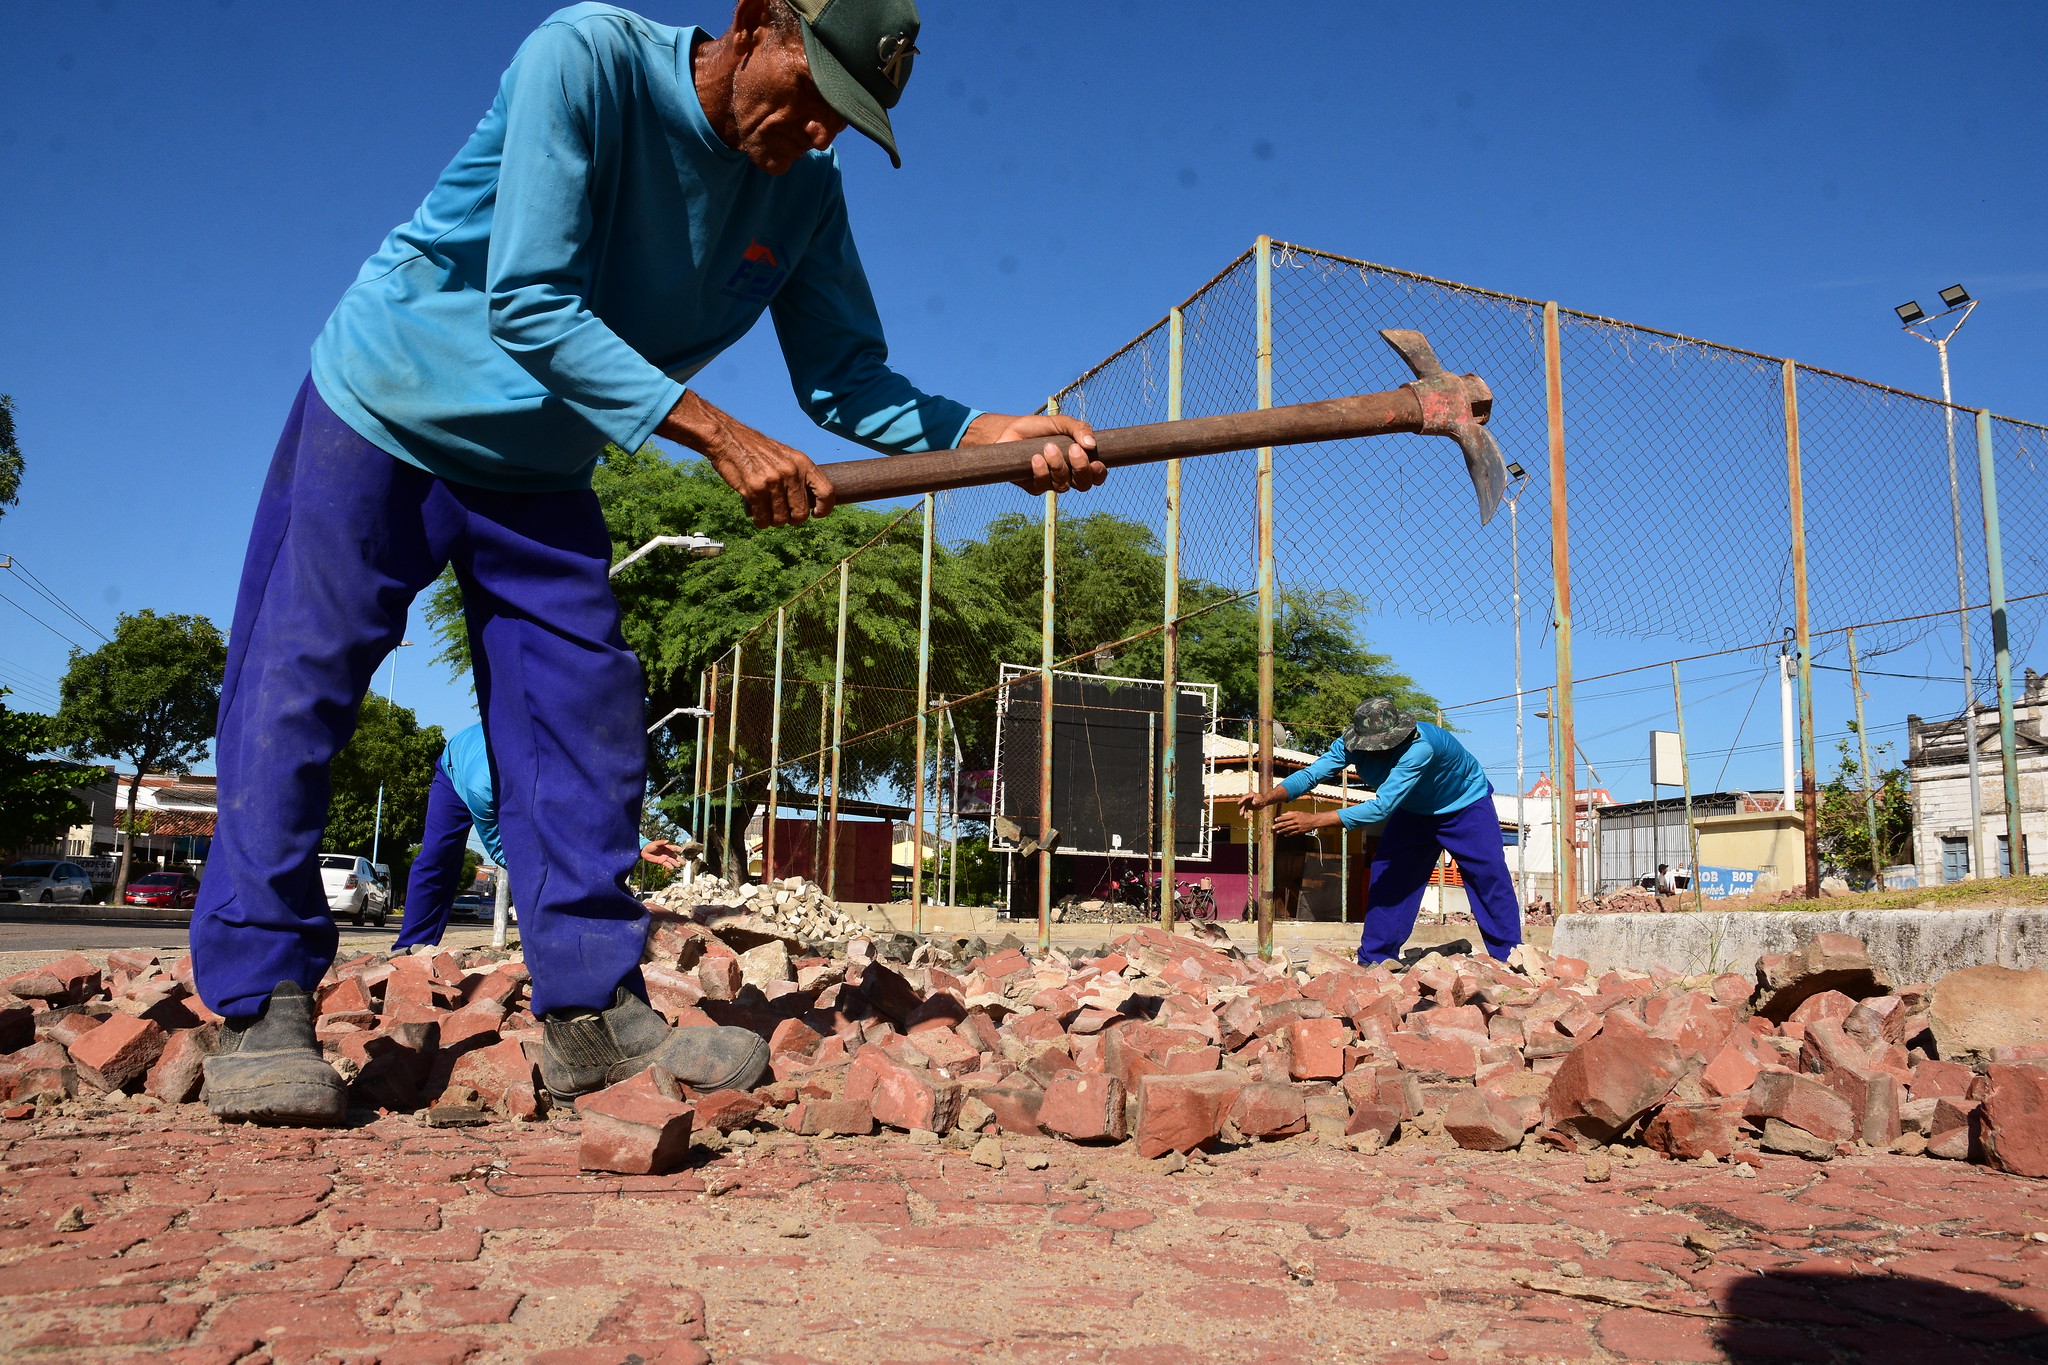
x: 861, y: 53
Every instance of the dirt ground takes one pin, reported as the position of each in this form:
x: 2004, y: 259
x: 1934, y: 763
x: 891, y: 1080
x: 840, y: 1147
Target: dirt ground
x: 129, y: 1236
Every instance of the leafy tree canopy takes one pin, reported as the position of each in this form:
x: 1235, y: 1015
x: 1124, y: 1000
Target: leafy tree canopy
x: 1845, y: 845
x: 680, y: 614
x: 37, y: 797
x: 11, y: 462
x: 392, y: 749
x: 148, y: 696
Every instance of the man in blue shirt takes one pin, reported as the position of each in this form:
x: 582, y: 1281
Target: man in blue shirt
x: 462, y: 797
x: 632, y: 202
x: 1434, y: 797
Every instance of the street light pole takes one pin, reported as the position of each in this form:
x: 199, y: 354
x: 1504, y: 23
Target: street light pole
x: 1913, y: 318
x: 1518, y: 479
x: 390, y: 699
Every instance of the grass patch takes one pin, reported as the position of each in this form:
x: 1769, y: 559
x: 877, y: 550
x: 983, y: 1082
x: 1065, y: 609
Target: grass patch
x: 1996, y: 894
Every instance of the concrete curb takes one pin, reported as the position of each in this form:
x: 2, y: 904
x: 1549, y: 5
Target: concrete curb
x: 91, y: 914
x: 1909, y: 945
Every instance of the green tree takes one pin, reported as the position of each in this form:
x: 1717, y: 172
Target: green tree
x: 1844, y: 819
x: 393, y: 753
x: 11, y: 462
x: 149, y: 696
x: 680, y: 614
x: 38, y: 796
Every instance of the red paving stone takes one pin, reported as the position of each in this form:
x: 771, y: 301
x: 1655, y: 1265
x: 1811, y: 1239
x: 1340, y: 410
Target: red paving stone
x: 395, y: 1243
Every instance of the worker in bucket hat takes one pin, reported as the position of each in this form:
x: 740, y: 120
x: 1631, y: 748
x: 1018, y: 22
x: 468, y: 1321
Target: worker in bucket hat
x: 633, y: 200
x: 1434, y: 798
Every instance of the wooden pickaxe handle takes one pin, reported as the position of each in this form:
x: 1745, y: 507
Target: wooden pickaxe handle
x: 1332, y: 419
x: 1438, y: 403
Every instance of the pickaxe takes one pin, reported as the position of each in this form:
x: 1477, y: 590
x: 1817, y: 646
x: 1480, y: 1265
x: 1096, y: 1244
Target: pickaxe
x: 1435, y: 403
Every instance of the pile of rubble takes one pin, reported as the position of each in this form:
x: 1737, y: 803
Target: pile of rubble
x: 787, y: 904
x: 1095, y: 910
x: 1169, y: 1042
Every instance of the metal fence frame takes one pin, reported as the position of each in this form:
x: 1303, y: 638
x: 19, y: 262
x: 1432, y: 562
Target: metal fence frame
x: 1545, y: 327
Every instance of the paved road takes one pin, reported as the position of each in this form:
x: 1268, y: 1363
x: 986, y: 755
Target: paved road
x: 419, y: 1247
x: 24, y: 945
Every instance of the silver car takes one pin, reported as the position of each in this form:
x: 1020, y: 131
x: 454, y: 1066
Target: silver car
x: 45, y: 881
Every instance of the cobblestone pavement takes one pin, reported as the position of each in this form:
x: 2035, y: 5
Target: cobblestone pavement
x: 132, y: 1235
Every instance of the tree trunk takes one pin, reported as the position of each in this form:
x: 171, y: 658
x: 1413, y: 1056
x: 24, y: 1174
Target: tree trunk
x: 127, y: 841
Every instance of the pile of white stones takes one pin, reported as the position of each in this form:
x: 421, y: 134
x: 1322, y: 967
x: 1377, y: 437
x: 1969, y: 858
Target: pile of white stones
x: 791, y: 904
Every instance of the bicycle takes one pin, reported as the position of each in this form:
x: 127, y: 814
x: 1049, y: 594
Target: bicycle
x: 1195, y: 902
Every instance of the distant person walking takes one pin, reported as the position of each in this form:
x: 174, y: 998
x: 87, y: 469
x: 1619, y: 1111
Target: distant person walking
x: 1435, y: 798
x: 463, y: 797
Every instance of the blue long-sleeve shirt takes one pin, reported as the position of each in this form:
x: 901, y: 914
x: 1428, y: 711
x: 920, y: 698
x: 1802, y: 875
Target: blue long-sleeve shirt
x: 1432, y: 774
x: 593, y: 246
x: 467, y: 761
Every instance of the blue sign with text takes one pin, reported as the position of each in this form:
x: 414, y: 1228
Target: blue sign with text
x: 1719, y: 882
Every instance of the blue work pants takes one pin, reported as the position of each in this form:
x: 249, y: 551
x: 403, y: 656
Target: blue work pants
x: 1400, y: 872
x: 436, y: 877
x: 345, y: 537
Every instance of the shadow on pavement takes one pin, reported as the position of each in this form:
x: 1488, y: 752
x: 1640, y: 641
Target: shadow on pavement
x: 1791, y: 1315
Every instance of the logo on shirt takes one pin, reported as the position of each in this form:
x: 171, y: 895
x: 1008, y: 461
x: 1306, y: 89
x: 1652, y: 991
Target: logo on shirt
x: 763, y: 268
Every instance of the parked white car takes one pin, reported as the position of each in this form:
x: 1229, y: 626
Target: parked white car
x: 45, y: 881
x: 353, y: 889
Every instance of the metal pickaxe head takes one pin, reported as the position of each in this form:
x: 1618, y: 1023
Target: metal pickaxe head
x: 1456, y: 406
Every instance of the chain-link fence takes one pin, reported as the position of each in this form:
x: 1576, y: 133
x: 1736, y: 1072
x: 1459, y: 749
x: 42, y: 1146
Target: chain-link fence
x: 876, y: 693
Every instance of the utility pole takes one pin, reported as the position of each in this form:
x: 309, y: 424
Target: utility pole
x: 1912, y: 317
x: 390, y: 699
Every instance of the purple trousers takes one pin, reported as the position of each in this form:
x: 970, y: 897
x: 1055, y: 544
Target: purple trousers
x: 345, y: 537
x: 436, y: 877
x: 1400, y: 872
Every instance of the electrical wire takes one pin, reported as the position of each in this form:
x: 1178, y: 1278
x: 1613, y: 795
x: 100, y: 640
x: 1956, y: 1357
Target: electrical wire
x: 40, y: 621
x: 49, y: 595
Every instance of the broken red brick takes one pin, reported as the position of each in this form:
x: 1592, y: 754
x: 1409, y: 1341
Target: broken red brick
x: 179, y: 1072
x: 1803, y: 1102
x: 1687, y: 1132
x: 1482, y: 1120
x: 1315, y: 1049
x: 1180, y: 1113
x: 1082, y: 1108
x: 901, y: 1096
x: 1609, y: 1081
x: 2015, y: 1118
x: 726, y: 1110
x: 633, y: 1130
x: 1267, y: 1110
x: 119, y: 1052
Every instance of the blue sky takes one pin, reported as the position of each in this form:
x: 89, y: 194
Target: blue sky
x: 188, y: 186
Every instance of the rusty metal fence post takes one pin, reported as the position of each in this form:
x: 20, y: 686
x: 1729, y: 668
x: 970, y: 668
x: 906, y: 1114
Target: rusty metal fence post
x: 831, y: 833
x: 1268, y: 887
x: 1566, y: 746
x: 1169, y: 643
x: 2001, y: 651
x: 1045, y: 657
x: 1795, y: 486
x: 924, y: 675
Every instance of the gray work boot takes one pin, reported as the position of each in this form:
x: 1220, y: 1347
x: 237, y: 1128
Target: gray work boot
x: 269, y: 1069
x: 588, y: 1050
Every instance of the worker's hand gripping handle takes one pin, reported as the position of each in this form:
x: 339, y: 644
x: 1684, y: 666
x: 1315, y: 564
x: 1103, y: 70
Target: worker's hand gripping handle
x: 1436, y: 404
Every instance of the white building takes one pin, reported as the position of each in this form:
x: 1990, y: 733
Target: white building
x: 1937, y: 766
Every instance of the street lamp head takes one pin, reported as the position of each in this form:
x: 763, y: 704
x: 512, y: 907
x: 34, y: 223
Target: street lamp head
x: 1515, y: 471
x: 706, y: 549
x: 1910, y: 313
x: 1955, y: 296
